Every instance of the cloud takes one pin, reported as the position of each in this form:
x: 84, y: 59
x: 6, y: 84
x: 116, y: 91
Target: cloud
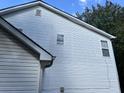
x: 72, y: 4
x: 83, y: 1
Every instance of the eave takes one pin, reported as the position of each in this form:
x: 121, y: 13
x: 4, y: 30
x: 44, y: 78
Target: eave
x: 57, y: 11
x: 45, y: 56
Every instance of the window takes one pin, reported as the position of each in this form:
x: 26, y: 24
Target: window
x: 105, y: 49
x: 38, y: 12
x: 60, y: 39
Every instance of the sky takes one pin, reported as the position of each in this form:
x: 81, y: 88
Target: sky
x: 69, y: 6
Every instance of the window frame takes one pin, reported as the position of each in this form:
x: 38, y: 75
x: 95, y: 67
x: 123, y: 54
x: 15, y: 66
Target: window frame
x: 105, y: 48
x: 60, y: 39
x: 38, y: 12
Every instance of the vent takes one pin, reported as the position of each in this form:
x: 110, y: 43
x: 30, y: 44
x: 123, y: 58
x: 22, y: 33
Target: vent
x: 62, y: 89
x: 60, y: 39
x: 38, y: 12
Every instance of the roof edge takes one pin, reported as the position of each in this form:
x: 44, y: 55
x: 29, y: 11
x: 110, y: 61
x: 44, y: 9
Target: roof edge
x: 18, y: 7
x: 24, y: 38
x: 57, y: 11
x: 76, y: 20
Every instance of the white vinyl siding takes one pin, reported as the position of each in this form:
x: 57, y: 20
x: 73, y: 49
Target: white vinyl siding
x: 19, y: 68
x: 79, y: 66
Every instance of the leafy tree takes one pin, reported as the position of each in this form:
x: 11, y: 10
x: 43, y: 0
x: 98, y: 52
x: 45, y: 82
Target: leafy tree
x: 109, y: 18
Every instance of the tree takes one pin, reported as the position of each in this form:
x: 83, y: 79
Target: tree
x: 109, y: 18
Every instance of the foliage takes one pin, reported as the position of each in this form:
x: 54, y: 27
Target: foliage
x: 109, y: 18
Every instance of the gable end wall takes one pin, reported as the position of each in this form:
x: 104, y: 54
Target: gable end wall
x: 79, y: 65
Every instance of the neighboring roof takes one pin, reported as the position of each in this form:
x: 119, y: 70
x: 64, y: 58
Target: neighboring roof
x: 44, y: 55
x: 57, y: 11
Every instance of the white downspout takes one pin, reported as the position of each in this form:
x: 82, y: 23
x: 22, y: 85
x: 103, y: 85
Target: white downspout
x: 41, y: 81
x: 43, y: 65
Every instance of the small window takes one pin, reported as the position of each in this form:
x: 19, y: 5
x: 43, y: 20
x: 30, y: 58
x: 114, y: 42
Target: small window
x: 105, y: 49
x: 105, y: 52
x: 60, y: 39
x: 38, y: 12
x: 104, y: 44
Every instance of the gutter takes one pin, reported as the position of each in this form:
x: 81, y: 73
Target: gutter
x: 47, y: 63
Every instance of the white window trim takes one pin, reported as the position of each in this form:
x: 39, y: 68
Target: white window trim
x: 105, y: 48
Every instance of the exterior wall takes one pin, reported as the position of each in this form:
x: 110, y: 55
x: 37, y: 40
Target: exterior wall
x: 79, y: 66
x: 19, y: 68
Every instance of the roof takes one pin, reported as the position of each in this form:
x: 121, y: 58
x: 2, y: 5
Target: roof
x: 57, y: 11
x: 44, y: 55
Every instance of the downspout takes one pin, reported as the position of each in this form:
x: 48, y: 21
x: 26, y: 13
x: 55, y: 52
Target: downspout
x: 43, y: 65
x: 41, y: 80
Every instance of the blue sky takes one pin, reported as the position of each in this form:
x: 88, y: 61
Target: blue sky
x: 70, y: 6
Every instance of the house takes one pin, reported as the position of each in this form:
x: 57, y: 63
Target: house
x: 34, y: 33
x: 21, y: 61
